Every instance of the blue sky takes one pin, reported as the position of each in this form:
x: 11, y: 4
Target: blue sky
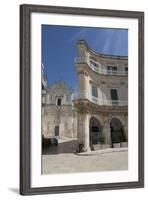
x: 59, y: 48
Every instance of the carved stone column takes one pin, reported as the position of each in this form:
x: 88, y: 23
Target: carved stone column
x: 83, y: 85
x: 107, y: 133
x: 86, y: 132
x: 83, y: 132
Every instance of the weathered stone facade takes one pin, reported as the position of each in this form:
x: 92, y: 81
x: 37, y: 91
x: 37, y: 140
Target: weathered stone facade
x: 59, y: 118
x: 98, y: 115
x: 102, y: 100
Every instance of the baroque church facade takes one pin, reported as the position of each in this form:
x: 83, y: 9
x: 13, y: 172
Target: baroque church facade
x: 59, y: 118
x: 98, y: 116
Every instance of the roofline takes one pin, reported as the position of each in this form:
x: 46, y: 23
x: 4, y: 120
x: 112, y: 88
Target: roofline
x: 101, y: 54
x: 58, y: 82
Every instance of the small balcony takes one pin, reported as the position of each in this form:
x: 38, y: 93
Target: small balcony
x: 108, y: 102
x: 101, y: 102
x: 115, y: 103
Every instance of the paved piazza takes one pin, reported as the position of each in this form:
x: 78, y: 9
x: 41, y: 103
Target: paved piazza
x: 102, y: 160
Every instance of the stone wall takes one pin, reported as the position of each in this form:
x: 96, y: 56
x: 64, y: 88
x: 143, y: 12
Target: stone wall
x: 63, y: 116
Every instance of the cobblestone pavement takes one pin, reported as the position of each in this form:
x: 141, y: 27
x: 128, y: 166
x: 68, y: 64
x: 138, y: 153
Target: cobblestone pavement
x: 102, y: 160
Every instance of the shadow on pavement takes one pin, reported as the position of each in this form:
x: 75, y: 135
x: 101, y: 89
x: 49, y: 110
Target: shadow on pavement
x: 63, y: 147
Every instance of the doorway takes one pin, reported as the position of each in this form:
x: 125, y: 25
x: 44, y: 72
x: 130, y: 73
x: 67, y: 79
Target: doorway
x: 117, y: 131
x: 56, y: 130
x: 94, y: 131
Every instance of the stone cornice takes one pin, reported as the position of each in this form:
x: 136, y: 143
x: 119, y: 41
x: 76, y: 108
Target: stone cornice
x: 85, y: 106
x: 106, y: 56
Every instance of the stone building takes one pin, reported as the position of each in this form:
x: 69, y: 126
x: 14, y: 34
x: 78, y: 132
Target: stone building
x: 102, y: 100
x: 98, y: 115
x: 59, y: 118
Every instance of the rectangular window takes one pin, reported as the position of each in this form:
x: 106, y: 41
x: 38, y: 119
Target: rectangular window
x: 59, y: 102
x: 94, y: 91
x: 126, y: 70
x: 114, y: 96
x: 56, y: 130
x: 111, y: 69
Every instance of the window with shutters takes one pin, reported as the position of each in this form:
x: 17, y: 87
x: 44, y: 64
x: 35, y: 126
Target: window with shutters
x: 114, y: 96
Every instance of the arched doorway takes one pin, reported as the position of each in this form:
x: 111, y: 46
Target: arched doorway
x: 95, y: 131
x: 117, y: 132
